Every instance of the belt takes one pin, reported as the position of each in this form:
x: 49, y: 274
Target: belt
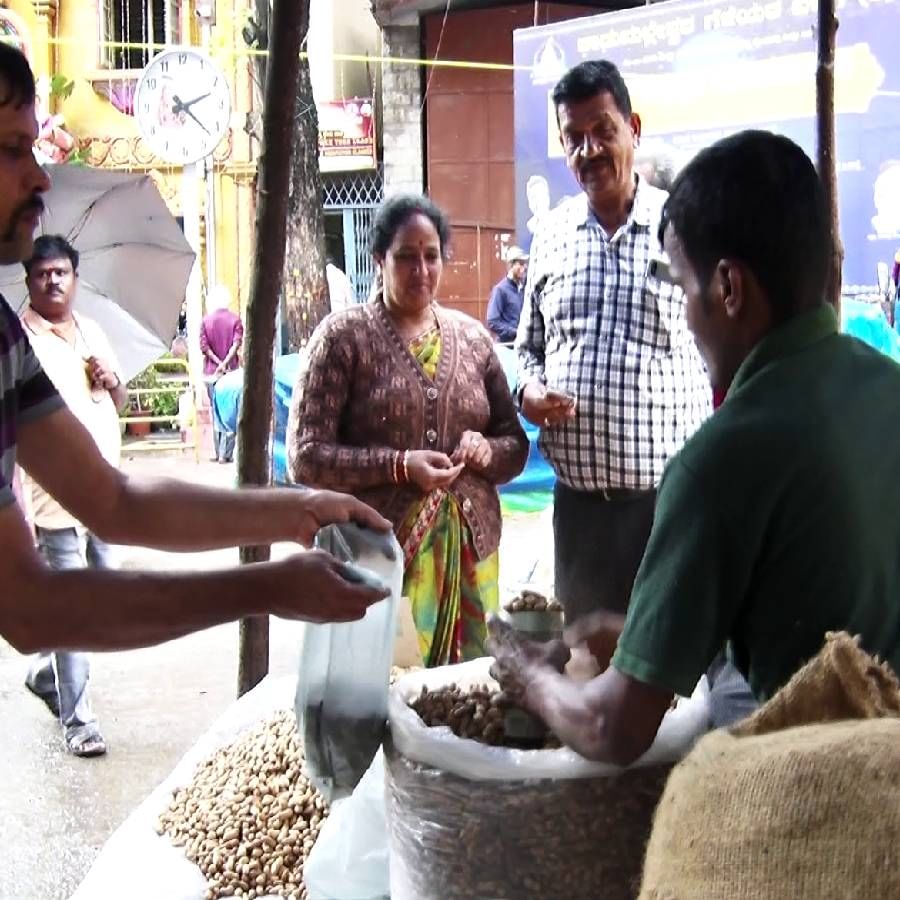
x: 611, y: 495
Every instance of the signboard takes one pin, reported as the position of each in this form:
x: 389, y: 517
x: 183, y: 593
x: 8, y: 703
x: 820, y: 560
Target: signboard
x: 698, y: 70
x: 346, y: 135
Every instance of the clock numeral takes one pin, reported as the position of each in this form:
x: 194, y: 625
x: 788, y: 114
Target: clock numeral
x: 151, y: 83
x: 182, y: 59
x: 146, y: 106
x: 221, y: 104
x: 164, y: 65
x: 186, y: 151
x: 152, y: 130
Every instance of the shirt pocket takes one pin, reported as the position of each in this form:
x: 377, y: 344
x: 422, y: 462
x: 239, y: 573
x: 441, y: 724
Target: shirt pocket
x: 661, y: 295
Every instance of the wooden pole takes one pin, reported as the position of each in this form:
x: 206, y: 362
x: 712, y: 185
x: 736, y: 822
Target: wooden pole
x: 287, y: 28
x: 825, y: 142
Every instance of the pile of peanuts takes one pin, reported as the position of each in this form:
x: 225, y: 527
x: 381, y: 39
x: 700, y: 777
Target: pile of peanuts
x: 476, y: 713
x: 532, y: 601
x: 249, y: 818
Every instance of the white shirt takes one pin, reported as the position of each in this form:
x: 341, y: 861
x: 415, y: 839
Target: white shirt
x: 62, y: 353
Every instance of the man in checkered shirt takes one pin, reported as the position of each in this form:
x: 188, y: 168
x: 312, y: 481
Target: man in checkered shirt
x: 607, y: 367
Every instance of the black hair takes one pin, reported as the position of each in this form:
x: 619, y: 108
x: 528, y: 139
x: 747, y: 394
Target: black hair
x: 589, y: 78
x: 16, y: 78
x: 52, y: 246
x: 755, y: 197
x: 395, y: 212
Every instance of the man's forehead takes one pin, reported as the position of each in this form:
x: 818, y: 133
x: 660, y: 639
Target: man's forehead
x: 18, y: 121
x: 46, y: 265
x: 597, y: 108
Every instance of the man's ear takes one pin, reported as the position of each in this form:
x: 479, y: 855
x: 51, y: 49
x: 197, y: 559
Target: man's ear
x: 635, y: 123
x: 730, y: 284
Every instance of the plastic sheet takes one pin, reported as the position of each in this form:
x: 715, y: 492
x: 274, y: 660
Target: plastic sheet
x: 441, y: 749
x: 342, y: 689
x: 350, y: 858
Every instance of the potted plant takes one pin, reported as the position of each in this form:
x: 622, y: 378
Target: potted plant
x: 139, y: 403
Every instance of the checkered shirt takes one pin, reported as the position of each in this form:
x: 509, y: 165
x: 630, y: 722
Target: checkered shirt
x: 602, y: 322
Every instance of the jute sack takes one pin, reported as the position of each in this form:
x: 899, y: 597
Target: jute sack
x: 768, y: 811
x: 841, y: 682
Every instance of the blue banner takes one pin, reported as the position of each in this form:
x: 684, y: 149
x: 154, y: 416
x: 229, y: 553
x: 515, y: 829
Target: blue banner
x: 699, y: 70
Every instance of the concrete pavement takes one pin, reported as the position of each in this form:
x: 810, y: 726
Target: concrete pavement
x: 57, y: 811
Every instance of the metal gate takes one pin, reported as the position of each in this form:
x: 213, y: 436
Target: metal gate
x: 357, y: 195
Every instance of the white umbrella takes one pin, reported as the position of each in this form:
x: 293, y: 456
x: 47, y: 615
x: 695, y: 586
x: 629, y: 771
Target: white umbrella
x: 135, y: 261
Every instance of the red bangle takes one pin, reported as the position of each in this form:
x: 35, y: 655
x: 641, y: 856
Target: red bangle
x: 405, y: 467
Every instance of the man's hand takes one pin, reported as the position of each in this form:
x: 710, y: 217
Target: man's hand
x: 431, y: 470
x: 599, y: 632
x: 517, y: 659
x: 101, y: 374
x: 545, y: 406
x: 313, y: 587
x: 321, y: 508
x: 473, y: 451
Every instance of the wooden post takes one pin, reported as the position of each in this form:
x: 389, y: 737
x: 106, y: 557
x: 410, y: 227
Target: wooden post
x: 825, y: 142
x: 287, y: 29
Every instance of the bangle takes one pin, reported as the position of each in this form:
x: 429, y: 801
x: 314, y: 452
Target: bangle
x: 405, y: 465
x: 395, y: 463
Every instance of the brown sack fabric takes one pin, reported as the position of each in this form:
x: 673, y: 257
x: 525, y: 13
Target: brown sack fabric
x: 796, y: 802
x: 841, y: 682
x: 809, y: 813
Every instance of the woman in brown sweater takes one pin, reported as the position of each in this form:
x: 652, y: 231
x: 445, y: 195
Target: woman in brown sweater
x: 405, y: 404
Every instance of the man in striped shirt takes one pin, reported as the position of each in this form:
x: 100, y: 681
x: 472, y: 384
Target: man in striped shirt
x: 106, y: 610
x: 607, y: 367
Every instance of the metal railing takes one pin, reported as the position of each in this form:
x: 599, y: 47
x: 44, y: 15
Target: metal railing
x: 183, y: 387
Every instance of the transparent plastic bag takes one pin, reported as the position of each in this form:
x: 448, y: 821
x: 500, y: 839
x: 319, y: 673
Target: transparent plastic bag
x: 350, y: 858
x: 342, y: 687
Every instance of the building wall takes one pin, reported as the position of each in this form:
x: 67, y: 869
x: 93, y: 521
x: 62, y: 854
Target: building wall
x: 470, y: 139
x: 401, y: 94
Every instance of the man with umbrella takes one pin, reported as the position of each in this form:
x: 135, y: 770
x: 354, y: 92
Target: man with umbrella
x: 106, y: 610
x: 75, y: 354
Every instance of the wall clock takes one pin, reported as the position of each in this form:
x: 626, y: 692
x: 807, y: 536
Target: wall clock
x: 182, y: 104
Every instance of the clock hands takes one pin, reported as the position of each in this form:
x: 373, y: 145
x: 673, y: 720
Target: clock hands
x: 179, y: 107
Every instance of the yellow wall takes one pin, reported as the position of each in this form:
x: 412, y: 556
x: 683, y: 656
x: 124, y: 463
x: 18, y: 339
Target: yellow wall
x: 69, y: 45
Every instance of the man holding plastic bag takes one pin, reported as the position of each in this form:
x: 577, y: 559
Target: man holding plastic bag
x: 779, y: 520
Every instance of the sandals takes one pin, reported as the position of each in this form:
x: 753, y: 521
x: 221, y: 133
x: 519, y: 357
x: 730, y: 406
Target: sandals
x: 85, y: 742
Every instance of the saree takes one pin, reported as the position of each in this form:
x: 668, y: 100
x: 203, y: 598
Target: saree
x: 450, y: 590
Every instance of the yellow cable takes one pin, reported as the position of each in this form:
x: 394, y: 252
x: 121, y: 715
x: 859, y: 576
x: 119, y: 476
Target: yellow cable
x: 340, y: 57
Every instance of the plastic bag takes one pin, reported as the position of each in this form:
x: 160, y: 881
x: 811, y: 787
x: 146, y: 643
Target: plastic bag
x: 468, y: 820
x: 342, y: 687
x: 350, y: 860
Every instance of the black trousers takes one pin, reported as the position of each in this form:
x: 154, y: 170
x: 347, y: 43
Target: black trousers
x: 599, y: 541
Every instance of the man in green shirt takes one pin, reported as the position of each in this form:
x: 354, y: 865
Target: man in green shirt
x: 780, y: 519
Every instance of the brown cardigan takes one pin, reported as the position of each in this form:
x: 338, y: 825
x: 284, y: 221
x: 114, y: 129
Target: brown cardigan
x: 362, y: 397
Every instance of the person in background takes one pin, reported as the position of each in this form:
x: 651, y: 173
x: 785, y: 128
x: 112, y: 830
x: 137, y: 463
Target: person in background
x: 76, y: 355
x: 221, y: 335
x: 505, y: 306
x: 405, y: 404
x: 607, y: 368
x: 89, y: 609
x: 340, y: 290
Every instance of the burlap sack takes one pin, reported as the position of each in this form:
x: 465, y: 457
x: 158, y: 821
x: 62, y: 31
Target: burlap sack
x: 769, y: 811
x: 841, y: 682
x: 809, y: 813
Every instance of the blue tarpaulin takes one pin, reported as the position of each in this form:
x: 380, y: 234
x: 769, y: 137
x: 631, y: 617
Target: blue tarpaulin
x: 537, y: 476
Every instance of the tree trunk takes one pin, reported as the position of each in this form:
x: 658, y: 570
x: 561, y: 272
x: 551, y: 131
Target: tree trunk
x: 288, y: 27
x: 305, y: 286
x: 825, y: 139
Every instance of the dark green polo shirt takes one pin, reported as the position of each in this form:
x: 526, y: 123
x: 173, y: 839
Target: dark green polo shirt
x: 779, y: 520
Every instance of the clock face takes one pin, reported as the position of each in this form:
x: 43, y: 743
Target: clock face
x: 182, y: 104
